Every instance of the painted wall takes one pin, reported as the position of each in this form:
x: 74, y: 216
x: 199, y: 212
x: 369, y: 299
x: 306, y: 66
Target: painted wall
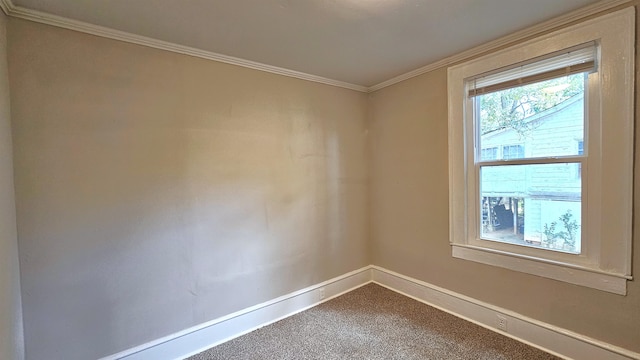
x: 11, y: 335
x: 157, y: 191
x: 409, y: 219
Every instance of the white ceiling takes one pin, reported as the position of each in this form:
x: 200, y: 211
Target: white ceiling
x: 361, y: 42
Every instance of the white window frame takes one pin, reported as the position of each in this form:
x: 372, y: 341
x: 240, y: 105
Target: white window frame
x: 605, y: 260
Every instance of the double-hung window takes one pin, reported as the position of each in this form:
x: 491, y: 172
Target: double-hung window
x: 514, y: 119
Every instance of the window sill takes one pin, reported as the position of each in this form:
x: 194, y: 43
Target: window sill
x: 596, y: 279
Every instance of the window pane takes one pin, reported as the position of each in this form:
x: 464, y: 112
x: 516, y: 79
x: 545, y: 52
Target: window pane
x: 532, y: 205
x: 537, y: 120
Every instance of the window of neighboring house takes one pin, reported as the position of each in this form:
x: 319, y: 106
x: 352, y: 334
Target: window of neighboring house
x: 580, y: 147
x: 528, y: 212
x: 512, y: 152
x: 489, y: 153
x: 580, y: 152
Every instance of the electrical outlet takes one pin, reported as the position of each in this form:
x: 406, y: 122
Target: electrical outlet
x: 501, y: 322
x: 322, y: 293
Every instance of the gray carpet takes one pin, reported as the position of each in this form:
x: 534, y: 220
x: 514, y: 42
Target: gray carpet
x: 372, y: 322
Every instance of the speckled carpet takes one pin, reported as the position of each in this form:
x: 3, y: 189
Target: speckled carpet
x: 373, y: 322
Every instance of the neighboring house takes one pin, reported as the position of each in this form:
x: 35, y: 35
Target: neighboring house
x: 532, y: 196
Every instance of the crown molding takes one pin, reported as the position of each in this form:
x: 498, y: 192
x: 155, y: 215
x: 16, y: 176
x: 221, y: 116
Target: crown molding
x: 509, y: 39
x: 49, y: 19
x: 10, y: 9
x: 6, y: 6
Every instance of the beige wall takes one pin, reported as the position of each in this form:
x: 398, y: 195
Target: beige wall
x: 11, y: 342
x: 157, y: 191
x: 409, y: 217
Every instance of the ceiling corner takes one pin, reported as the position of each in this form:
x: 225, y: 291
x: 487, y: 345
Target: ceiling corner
x: 7, y: 6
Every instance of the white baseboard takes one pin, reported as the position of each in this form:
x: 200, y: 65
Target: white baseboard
x: 560, y: 342
x: 197, y: 339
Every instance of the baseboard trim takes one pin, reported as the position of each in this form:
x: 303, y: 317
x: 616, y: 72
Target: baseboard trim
x: 558, y: 341
x: 555, y: 340
x: 199, y: 338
